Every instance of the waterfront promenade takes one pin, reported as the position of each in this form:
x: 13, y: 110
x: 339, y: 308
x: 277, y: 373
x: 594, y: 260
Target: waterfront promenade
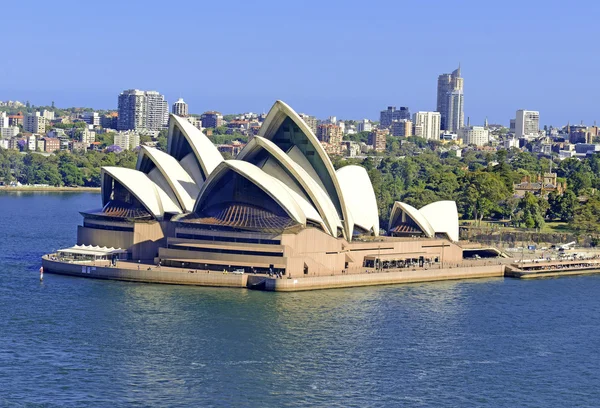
x: 151, y: 273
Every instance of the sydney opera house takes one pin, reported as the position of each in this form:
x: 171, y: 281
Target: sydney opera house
x: 279, y: 206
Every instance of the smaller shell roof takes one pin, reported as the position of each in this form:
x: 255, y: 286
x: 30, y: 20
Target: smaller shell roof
x: 179, y: 180
x: 414, y: 214
x: 142, y: 187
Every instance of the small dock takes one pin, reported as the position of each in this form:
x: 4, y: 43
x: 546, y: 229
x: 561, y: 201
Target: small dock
x: 552, y: 269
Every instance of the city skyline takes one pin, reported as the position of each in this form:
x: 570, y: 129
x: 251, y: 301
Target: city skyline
x: 485, y: 43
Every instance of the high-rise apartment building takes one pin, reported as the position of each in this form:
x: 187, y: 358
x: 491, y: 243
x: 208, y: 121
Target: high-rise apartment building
x: 180, y: 108
x: 310, y: 121
x: 429, y: 123
x: 142, y: 110
x: 378, y: 139
x: 474, y: 135
x: 402, y: 128
x: 331, y: 134
x: 211, y: 119
x: 35, y: 123
x: 527, y: 123
x: 391, y: 114
x: 450, y: 101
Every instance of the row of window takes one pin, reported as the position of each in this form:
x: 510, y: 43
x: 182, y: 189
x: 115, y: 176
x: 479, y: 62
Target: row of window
x: 226, y: 251
x: 230, y: 239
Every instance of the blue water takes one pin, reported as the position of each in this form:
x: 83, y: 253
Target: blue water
x: 89, y: 343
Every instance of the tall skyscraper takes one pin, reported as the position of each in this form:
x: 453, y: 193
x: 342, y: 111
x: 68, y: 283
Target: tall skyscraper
x: 180, y: 108
x: 142, y: 110
x: 391, y: 114
x: 527, y: 123
x: 429, y: 123
x: 450, y: 101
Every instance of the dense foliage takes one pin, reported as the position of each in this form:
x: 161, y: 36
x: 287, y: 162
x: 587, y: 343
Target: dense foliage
x: 62, y: 169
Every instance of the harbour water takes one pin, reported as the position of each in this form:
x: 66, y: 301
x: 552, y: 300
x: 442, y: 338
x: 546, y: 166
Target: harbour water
x: 84, y: 342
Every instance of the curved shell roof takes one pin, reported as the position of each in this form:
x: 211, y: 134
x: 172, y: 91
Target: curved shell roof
x: 147, y: 192
x: 414, y: 214
x: 204, y: 150
x: 443, y: 218
x: 286, y: 162
x: 181, y: 183
x: 360, y: 197
x: 310, y: 187
x: 321, y: 163
x: 270, y: 185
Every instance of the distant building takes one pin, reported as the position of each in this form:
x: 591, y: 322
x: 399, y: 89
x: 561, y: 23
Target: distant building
x: 32, y: 143
x: 388, y: 116
x: 91, y: 118
x: 310, y: 121
x: 378, y: 139
x: 50, y: 144
x: 331, y: 134
x: 15, y: 120
x: 212, y: 119
x: 87, y: 136
x: 474, y: 135
x: 364, y: 125
x: 541, y: 186
x: 110, y: 121
x: 142, y: 110
x: 195, y: 121
x: 49, y: 115
x: 35, y: 123
x: 429, y: 123
x: 127, y: 140
x: 9, y: 132
x: 511, y: 142
x: 527, y: 123
x: 450, y: 101
x: 180, y: 108
x: 4, y: 122
x: 402, y: 128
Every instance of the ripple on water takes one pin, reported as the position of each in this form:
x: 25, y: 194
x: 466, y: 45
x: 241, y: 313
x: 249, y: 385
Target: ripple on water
x: 78, y: 342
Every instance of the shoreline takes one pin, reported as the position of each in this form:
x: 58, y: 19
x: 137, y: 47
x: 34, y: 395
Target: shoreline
x: 50, y: 189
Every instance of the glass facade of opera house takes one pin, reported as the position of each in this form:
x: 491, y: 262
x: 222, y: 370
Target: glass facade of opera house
x: 280, y: 206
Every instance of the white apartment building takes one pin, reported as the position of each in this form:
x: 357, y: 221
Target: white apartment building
x: 4, y: 122
x: 429, y: 122
x: 127, y: 140
x: 32, y: 143
x: 364, y: 126
x: 88, y: 136
x: 9, y: 132
x: 142, y: 110
x: 527, y: 123
x: 180, y: 108
x: 474, y: 135
x: 35, y: 123
x: 91, y: 118
x: 49, y: 115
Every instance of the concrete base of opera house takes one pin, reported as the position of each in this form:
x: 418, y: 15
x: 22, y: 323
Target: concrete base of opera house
x: 147, y: 273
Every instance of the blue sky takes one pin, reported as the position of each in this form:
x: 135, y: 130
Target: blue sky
x: 350, y: 59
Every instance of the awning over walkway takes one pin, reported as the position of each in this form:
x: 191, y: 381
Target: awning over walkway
x: 91, y: 250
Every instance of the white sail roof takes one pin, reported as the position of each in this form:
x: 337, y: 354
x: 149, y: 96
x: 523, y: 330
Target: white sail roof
x: 360, y: 197
x: 443, y: 218
x: 179, y: 180
x: 148, y: 193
